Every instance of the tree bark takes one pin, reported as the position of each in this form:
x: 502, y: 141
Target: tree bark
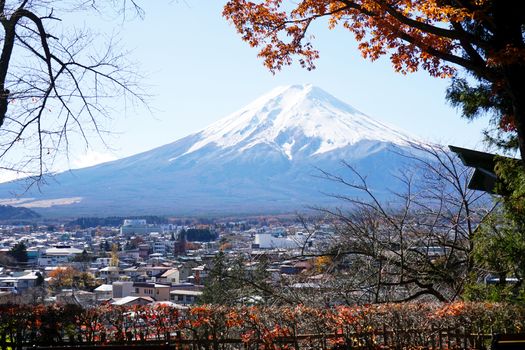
x: 5, y: 57
x: 508, y: 35
x: 515, y: 79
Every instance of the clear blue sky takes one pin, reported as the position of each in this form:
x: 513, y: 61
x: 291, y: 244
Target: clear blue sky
x: 197, y: 70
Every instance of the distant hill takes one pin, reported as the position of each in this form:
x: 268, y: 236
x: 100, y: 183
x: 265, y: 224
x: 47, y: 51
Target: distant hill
x: 8, y: 212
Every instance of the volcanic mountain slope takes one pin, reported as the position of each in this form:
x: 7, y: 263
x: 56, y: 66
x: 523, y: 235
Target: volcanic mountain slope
x: 263, y: 158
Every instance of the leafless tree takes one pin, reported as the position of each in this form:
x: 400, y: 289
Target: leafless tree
x: 418, y: 245
x: 57, y: 81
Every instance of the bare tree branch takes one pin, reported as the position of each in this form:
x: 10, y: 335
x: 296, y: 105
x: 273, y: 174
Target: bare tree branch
x: 421, y: 248
x: 52, y: 86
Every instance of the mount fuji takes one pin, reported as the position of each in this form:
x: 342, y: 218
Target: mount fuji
x: 264, y: 158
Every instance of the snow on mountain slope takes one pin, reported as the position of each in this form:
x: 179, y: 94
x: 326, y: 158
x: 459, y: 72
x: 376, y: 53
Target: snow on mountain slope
x: 262, y: 158
x: 287, y: 117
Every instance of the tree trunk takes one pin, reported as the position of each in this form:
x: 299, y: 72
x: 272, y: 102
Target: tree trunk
x: 509, y: 43
x: 515, y: 81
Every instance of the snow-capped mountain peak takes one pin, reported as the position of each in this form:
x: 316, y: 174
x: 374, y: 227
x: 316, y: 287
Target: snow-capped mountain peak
x: 260, y: 159
x: 296, y: 119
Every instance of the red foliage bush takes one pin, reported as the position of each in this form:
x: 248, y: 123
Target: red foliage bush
x: 407, y: 325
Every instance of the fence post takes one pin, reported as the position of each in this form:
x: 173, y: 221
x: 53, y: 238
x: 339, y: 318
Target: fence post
x: 3, y: 341
x: 178, y: 340
x: 432, y: 337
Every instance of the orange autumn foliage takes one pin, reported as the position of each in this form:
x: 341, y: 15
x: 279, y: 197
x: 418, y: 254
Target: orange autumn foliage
x: 484, y: 37
x: 69, y: 277
x: 277, y: 327
x: 63, y: 276
x: 417, y: 34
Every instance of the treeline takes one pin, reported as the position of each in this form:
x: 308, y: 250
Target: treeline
x: 87, y: 222
x: 8, y: 212
x: 199, y: 235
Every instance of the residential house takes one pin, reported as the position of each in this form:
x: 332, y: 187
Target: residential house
x: 186, y: 293
x: 131, y: 301
x: 109, y: 273
x: 58, y: 255
x: 171, y: 277
x: 103, y: 292
x: 159, y: 292
x: 19, y: 281
x: 199, y: 274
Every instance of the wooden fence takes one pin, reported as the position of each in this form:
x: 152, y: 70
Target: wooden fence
x: 435, y: 339
x: 384, y: 326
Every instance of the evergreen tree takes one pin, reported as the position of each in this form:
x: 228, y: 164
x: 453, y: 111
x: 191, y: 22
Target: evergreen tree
x: 499, y: 252
x: 219, y: 287
x: 19, y: 252
x: 231, y: 283
x: 39, y: 280
x: 499, y: 248
x: 83, y: 257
